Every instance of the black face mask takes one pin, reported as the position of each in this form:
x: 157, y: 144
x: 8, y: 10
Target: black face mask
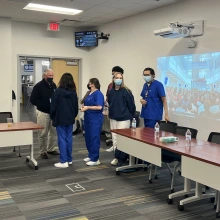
x: 88, y: 87
x: 50, y: 80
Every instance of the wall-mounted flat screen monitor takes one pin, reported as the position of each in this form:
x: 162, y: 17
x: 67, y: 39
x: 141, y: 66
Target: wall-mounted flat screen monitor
x: 86, y: 39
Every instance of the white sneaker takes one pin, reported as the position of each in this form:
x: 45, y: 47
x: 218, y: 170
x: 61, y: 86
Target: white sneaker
x: 91, y: 163
x: 70, y: 163
x: 111, y: 149
x: 61, y: 165
x: 114, y: 162
x: 87, y: 159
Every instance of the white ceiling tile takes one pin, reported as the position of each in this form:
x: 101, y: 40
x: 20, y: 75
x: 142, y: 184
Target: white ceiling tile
x: 112, y: 17
x: 101, y: 20
x: 123, y: 12
x: 95, y: 2
x: 21, y: 1
x: 9, y: 8
x: 135, y: 1
x: 65, y: 4
x: 48, y: 16
x: 98, y: 11
x: 140, y: 7
x: 158, y: 3
x: 81, y: 18
x: 117, y: 3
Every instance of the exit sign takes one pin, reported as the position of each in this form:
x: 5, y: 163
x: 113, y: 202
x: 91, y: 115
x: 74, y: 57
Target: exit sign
x: 52, y: 26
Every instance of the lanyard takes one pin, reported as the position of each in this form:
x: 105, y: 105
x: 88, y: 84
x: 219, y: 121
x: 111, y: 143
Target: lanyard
x: 147, y: 91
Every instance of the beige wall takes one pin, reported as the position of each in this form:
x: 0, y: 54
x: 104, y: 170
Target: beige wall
x: 5, y: 65
x: 23, y: 38
x: 133, y: 46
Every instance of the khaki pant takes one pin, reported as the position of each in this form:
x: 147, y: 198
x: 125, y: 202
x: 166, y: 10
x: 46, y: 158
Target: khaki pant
x: 118, y: 125
x: 47, y: 136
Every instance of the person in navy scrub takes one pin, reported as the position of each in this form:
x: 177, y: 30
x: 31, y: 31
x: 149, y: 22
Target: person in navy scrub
x: 153, y: 100
x: 121, y: 108
x: 63, y: 111
x: 93, y: 120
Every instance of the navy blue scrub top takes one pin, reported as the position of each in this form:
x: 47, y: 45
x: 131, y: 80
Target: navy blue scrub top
x: 152, y: 94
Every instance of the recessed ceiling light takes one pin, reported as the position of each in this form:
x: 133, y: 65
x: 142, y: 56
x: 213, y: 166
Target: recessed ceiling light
x: 52, y: 9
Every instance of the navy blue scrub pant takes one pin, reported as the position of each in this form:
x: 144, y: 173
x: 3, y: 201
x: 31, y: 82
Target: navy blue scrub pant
x: 93, y: 126
x: 65, y: 142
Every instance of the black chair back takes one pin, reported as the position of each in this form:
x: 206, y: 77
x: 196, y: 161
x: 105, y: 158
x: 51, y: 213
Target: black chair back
x: 4, y: 116
x: 137, y: 118
x: 214, y: 137
x: 182, y: 131
x: 167, y: 126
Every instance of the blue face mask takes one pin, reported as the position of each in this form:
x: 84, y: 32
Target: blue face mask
x: 147, y: 78
x: 118, y: 82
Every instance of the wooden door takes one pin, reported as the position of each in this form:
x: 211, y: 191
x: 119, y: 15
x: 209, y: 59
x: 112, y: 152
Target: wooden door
x: 60, y: 67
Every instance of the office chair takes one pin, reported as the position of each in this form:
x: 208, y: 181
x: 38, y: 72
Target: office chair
x: 214, y: 137
x: 168, y: 127
x: 182, y: 131
x: 3, y: 119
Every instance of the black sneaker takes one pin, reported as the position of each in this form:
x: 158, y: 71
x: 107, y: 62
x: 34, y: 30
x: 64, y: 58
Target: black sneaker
x: 53, y: 152
x: 44, y: 156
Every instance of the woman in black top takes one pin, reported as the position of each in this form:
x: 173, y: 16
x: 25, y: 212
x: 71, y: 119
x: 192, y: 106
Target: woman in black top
x: 121, y: 108
x: 63, y: 111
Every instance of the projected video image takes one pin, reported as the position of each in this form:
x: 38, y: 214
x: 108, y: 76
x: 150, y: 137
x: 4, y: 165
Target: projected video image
x: 192, y: 84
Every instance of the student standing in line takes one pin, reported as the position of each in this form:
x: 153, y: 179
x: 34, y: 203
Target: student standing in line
x: 121, y: 108
x: 153, y: 99
x: 93, y: 120
x: 114, y: 70
x: 82, y: 103
x: 63, y: 111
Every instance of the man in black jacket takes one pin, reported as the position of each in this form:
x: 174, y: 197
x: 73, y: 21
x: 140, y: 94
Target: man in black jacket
x: 41, y: 98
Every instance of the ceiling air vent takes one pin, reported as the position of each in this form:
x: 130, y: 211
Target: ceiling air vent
x: 68, y: 21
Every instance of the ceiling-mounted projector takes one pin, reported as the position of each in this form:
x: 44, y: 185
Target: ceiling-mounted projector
x: 173, y: 32
x: 181, y: 30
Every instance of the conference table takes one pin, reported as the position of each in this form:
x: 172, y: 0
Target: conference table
x: 19, y: 134
x: 200, y: 162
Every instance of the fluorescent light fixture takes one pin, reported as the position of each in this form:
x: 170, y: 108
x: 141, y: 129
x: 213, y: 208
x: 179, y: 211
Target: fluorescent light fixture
x: 52, y: 9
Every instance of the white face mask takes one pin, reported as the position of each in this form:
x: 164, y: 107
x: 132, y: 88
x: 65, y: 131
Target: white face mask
x: 147, y: 78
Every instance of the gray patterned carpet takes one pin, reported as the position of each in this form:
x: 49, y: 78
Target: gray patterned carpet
x: 80, y: 192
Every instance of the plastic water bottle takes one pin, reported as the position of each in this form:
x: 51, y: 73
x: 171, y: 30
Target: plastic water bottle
x: 188, y: 138
x: 157, y: 129
x: 133, y: 124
